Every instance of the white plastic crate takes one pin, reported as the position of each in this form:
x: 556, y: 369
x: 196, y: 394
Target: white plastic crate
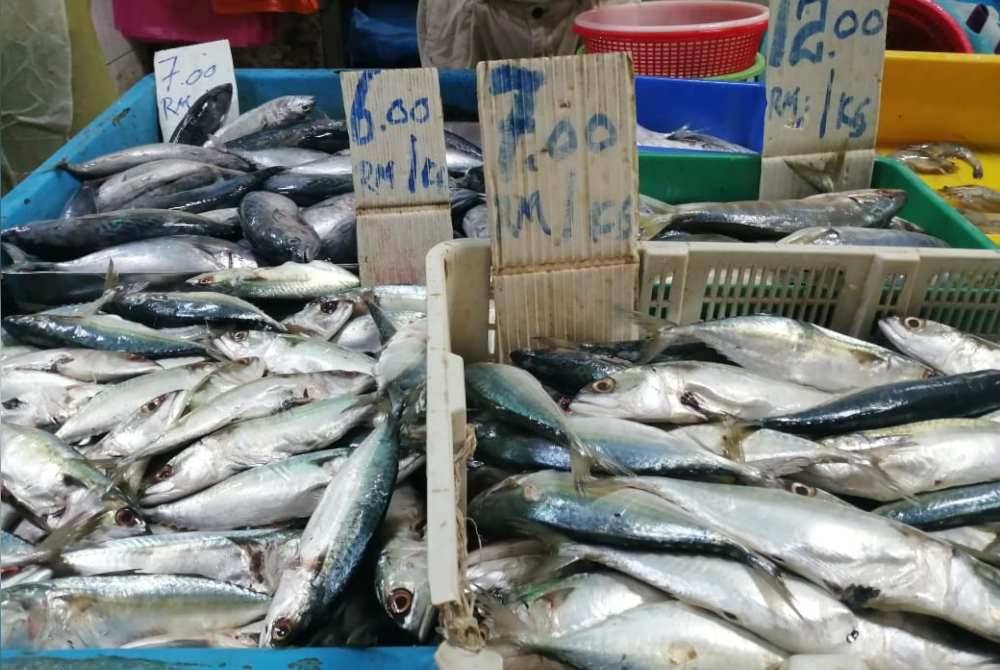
x: 846, y: 289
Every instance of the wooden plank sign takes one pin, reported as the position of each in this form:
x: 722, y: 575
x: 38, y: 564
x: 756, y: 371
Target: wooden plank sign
x: 560, y: 168
x: 824, y: 75
x: 185, y: 73
x: 396, y: 129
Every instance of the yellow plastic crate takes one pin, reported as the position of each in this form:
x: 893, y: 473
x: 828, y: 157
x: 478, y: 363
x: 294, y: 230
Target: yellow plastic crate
x: 943, y: 97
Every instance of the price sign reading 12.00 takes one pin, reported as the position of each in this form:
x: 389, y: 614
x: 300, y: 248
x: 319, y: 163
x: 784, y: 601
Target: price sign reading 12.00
x: 824, y: 69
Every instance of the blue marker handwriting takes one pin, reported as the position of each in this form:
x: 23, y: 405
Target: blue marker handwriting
x: 178, y: 103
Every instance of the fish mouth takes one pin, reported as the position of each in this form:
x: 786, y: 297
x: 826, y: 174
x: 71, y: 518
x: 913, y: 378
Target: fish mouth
x: 593, y: 407
x: 160, y: 492
x: 892, y: 330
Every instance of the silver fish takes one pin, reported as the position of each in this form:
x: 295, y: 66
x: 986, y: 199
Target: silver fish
x: 119, y: 161
x: 107, y: 612
x: 86, y: 365
x: 946, y: 349
x: 163, y: 255
x: 253, y: 443
x: 403, y: 361
x: 303, y: 281
x: 273, y: 113
x: 285, y: 157
x: 476, y: 224
x: 134, y: 182
x: 322, y: 318
x: 230, y: 215
x: 226, y: 377
x: 11, y: 575
x: 337, y: 166
x: 865, y: 237
x: 286, y: 354
x: 335, y: 221
x: 684, y: 138
x: 359, y: 334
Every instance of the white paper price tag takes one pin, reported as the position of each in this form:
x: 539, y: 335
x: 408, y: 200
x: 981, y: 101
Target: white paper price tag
x: 184, y: 74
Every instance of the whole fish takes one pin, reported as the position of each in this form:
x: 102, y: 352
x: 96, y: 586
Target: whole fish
x: 284, y: 354
x: 321, y: 318
x: 975, y: 198
x: 205, y: 116
x: 119, y: 161
x: 691, y: 393
x: 864, y: 237
x: 334, y: 166
x: 327, y: 135
x: 943, y: 151
x: 944, y: 348
x: 684, y: 138
x: 58, y: 487
x: 99, y: 331
x: 335, y: 222
x: 968, y: 394
x: 335, y: 538
x: 289, y: 281
x: 224, y: 193
x: 163, y: 255
x: 80, y: 203
x: 772, y: 220
x: 515, y: 396
x: 272, y: 225
x: 864, y: 559
x: 824, y: 359
x: 309, y: 189
x: 68, y: 238
x: 639, y: 448
x: 401, y: 583
x: 820, y: 623
x: 275, y: 493
x: 117, y: 402
x: 283, y: 157
x: 108, y: 612
x: 226, y: 377
x: 567, y: 370
x: 476, y: 224
x: 274, y: 113
x: 254, y: 443
x: 979, y: 503
x: 126, y: 186
x: 173, y: 309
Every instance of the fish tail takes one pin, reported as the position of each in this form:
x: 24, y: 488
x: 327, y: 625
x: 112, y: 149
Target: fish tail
x: 657, y: 333
x: 651, y: 226
x: 502, y: 623
x: 734, y: 433
x: 771, y: 584
x: 875, y: 469
x: 585, y: 458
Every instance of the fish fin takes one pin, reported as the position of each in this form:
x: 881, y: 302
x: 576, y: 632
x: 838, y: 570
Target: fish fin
x: 657, y: 332
x: 768, y: 579
x: 66, y: 534
x: 504, y: 625
x: 874, y: 467
x: 734, y: 432
x: 584, y: 458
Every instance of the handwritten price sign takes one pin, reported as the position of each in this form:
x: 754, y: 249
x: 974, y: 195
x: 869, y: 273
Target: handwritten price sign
x: 185, y: 73
x: 560, y: 159
x: 396, y: 129
x: 824, y: 72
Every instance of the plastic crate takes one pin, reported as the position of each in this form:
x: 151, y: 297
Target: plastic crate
x: 961, y: 108
x: 846, y: 289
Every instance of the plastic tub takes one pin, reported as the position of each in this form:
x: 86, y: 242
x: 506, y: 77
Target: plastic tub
x: 678, y: 38
x: 189, y: 21
x: 921, y: 25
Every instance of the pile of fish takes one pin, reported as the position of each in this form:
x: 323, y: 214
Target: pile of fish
x: 201, y: 468
x: 273, y: 185
x: 753, y: 492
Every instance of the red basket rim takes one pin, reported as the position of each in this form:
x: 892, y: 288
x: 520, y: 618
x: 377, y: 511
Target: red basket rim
x: 672, y: 37
x: 584, y: 26
x: 929, y: 12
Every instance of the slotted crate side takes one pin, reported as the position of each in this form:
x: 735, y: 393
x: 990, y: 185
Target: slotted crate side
x: 961, y: 289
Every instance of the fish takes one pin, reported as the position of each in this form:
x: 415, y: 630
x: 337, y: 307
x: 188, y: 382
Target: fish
x: 229, y: 216
x: 221, y: 194
x: 638, y: 448
x: 943, y: 151
x: 175, y: 309
x: 224, y: 378
x: 335, y: 538
x: 288, y: 281
x: 112, y: 611
x: 161, y: 255
x: 308, y: 189
x: 771, y: 220
x: 288, y: 354
x: 946, y: 349
x: 116, y: 402
x: 516, y: 396
x: 274, y: 493
x: 402, y: 363
x: 681, y: 236
x: 326, y: 135
x: 975, y: 198
x: 335, y: 222
x: 103, y: 332
x: 692, y: 392
x: 84, y: 365
x: 205, y: 116
x: 824, y: 360
x: 865, y: 237
x: 359, y: 334
x: 333, y: 166
x: 80, y: 203
x: 11, y: 575
x: 567, y: 370
x: 69, y: 238
x: 685, y: 138
x: 892, y: 566
x: 322, y: 318
x: 475, y: 223
x: 253, y: 443
x: 124, y: 187
x: 923, y: 162
x: 968, y: 394
x: 283, y: 157
x: 106, y: 165
x: 60, y: 489
x: 274, y: 113
x: 272, y: 225
x: 941, y: 510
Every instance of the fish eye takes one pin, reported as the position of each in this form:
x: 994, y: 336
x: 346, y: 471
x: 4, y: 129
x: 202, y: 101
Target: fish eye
x: 240, y: 335
x: 281, y: 629
x: 205, y: 281
x: 606, y: 385
x: 400, y: 601
x: 13, y: 403
x: 329, y: 306
x: 128, y: 517
x: 163, y: 473
x: 802, y: 490
x: 134, y: 357
x: 913, y: 323
x: 153, y: 404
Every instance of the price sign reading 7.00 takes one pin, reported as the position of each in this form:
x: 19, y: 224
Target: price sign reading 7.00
x: 824, y: 65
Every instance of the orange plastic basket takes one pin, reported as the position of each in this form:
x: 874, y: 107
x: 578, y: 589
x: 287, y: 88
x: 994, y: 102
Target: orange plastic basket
x: 678, y: 38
